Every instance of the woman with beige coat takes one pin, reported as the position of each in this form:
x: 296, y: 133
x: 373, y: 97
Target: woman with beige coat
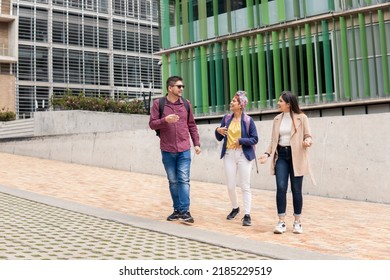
x: 288, y: 150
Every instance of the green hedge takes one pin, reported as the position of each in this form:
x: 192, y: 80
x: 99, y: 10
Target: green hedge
x: 6, y: 116
x: 101, y: 104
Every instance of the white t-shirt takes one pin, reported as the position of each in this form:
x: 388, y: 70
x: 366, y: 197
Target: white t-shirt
x: 285, y: 130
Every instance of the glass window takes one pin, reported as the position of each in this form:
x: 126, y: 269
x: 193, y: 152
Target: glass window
x: 103, y: 6
x: 75, y: 67
x: 59, y: 32
x: 91, y: 68
x: 103, y: 33
x: 42, y: 98
x: 74, y: 34
x: 41, y: 30
x: 59, y: 2
x: 104, y: 73
x: 26, y: 28
x: 26, y: 99
x: 41, y: 60
x: 60, y: 66
x: 26, y: 63
x: 120, y: 67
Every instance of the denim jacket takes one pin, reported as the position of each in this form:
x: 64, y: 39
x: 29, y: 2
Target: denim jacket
x: 248, y: 138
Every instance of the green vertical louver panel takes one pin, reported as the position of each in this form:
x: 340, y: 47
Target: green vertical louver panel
x: 368, y: 1
x: 165, y: 70
x: 205, y: 84
x: 345, y: 58
x: 355, y: 59
x: 255, y: 84
x: 336, y: 60
x: 229, y: 15
x: 265, y: 12
x: 286, y: 84
x: 258, y: 23
x: 185, y: 73
x: 198, y: 81
x: 226, y: 84
x: 173, y: 61
x: 250, y: 13
x: 219, y: 89
x: 179, y: 65
x: 297, y: 9
x: 305, y: 8
x: 191, y: 81
x: 202, y: 10
x: 247, y: 71
x: 165, y: 40
x: 239, y: 69
x: 270, y: 71
x: 216, y: 21
x: 277, y: 69
x: 232, y: 67
x: 364, y: 50
x: 310, y: 63
x: 186, y: 28
x: 262, y: 71
x: 211, y: 77
x: 302, y: 66
x: 349, y: 3
x: 318, y: 63
x: 293, y: 61
x: 385, y: 65
x: 327, y: 61
x: 374, y: 48
x: 331, y: 5
x: 191, y: 20
x: 281, y: 6
x: 177, y: 20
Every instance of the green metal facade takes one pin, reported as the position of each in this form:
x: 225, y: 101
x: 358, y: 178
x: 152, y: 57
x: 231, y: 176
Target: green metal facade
x: 329, y: 52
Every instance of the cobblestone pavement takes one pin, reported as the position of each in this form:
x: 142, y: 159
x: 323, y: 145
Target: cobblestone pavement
x: 333, y: 228
x: 31, y: 230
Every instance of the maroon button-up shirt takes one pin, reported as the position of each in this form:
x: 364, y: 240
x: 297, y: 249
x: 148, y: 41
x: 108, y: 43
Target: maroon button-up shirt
x: 174, y: 137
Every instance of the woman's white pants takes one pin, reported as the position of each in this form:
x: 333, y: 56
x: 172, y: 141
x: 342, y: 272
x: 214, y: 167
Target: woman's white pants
x: 237, y: 167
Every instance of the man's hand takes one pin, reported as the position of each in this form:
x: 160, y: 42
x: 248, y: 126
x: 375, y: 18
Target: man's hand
x: 197, y: 150
x: 172, y: 118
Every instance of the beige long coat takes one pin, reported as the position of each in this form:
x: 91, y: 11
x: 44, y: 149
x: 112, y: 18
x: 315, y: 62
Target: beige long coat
x: 299, y: 152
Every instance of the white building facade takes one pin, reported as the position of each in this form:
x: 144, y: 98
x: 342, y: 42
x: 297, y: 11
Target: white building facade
x: 97, y: 47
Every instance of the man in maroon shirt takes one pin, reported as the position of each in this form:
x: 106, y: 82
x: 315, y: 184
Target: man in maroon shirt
x: 176, y: 125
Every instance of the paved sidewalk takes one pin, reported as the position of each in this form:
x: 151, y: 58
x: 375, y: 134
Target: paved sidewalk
x: 333, y: 228
x: 34, y: 230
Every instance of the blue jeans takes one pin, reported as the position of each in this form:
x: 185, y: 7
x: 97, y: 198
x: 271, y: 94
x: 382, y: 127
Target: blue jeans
x: 177, y: 167
x: 284, y: 170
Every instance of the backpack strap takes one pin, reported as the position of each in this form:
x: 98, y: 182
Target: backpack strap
x: 161, y: 104
x: 187, y: 106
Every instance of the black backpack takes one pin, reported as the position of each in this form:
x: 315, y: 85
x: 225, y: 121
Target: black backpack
x: 161, y: 104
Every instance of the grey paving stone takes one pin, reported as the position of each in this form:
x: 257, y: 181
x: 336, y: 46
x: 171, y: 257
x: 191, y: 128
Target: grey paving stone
x: 32, y: 230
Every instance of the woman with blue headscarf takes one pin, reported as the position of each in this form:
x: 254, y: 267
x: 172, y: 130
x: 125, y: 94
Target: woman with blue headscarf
x: 239, y: 135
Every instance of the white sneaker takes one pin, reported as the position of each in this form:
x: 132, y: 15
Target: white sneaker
x: 280, y: 227
x: 297, y: 227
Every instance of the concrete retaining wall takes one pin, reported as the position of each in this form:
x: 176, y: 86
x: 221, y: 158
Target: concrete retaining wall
x: 74, y: 122
x: 350, y: 157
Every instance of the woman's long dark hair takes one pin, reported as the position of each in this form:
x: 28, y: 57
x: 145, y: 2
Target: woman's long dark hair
x: 291, y: 99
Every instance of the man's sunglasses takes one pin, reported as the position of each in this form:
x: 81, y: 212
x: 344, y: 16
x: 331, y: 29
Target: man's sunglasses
x: 179, y: 86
